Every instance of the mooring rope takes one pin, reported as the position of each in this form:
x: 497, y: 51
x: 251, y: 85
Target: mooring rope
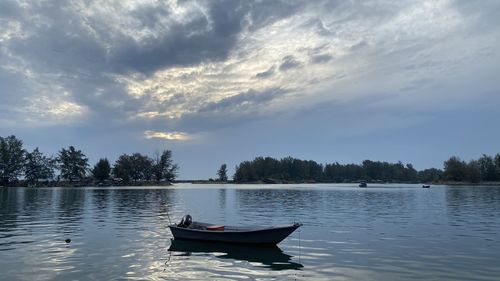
x: 299, y: 246
x: 168, y: 216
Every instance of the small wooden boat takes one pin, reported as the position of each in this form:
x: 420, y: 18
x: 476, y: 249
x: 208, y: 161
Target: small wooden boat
x: 192, y: 230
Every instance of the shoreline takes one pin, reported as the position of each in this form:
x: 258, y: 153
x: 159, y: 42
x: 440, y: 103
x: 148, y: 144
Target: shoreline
x: 207, y: 182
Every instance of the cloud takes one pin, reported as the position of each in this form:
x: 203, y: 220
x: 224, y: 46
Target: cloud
x: 172, y: 64
x: 179, y: 70
x: 10, y: 10
x: 243, y: 101
x: 321, y: 58
x: 87, y: 51
x: 177, y: 136
x: 317, y: 26
x: 266, y: 74
x: 289, y: 62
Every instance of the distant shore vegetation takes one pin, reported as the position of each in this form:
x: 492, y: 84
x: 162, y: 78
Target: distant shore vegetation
x: 292, y: 170
x: 70, y: 167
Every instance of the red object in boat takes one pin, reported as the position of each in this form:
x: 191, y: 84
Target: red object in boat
x: 216, y: 227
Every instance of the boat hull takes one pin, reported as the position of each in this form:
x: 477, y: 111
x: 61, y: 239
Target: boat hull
x: 264, y: 236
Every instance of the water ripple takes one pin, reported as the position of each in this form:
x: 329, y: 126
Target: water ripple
x: 389, y: 232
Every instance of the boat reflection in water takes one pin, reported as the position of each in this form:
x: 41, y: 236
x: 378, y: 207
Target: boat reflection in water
x: 271, y: 257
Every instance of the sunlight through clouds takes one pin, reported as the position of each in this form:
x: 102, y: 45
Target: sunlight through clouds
x: 50, y: 110
x: 178, y: 136
x: 238, y: 71
x: 305, y: 54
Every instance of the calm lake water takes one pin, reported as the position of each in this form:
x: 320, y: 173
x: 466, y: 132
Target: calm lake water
x: 384, y: 232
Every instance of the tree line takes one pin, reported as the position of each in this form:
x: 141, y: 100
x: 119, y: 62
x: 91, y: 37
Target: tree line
x: 71, y: 166
x: 486, y: 168
x: 34, y: 168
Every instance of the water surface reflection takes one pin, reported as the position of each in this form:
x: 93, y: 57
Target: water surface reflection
x: 266, y: 257
x: 387, y: 232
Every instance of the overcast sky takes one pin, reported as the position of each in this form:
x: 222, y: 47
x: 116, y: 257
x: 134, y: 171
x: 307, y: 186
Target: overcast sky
x: 226, y: 81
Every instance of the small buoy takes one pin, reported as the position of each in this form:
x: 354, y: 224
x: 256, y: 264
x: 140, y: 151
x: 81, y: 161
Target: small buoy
x: 67, y: 240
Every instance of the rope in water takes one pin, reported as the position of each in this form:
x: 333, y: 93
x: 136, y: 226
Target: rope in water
x: 299, y: 246
x: 169, y: 221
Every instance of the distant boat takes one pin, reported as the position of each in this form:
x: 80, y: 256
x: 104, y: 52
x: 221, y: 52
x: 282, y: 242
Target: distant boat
x: 363, y: 184
x: 191, y: 230
x: 426, y: 186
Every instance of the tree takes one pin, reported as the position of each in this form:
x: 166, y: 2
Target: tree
x: 487, y: 169
x: 222, y: 173
x: 455, y: 169
x: 101, y: 170
x: 142, y: 167
x: 164, y: 168
x: 73, y: 164
x: 472, y: 172
x: 134, y: 167
x: 123, y: 168
x: 373, y: 170
x: 497, y: 167
x: 12, y: 158
x: 430, y: 175
x: 38, y: 167
x: 410, y: 173
x: 245, y: 172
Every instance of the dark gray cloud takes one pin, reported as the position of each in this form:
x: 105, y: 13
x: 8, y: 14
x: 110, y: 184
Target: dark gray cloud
x: 84, y: 53
x: 237, y: 110
x: 359, y: 46
x: 186, y: 43
x: 289, y: 62
x: 150, y: 16
x: 483, y: 14
x: 318, y: 26
x: 263, y: 13
x: 12, y: 87
x: 243, y: 101
x: 266, y: 74
x: 67, y: 41
x: 321, y: 58
x: 10, y: 9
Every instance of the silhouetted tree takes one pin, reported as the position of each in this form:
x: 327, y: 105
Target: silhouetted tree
x: 373, y: 170
x: 487, y: 168
x: 73, y: 164
x: 38, y: 167
x: 101, y: 171
x: 497, y: 166
x: 134, y: 167
x: 455, y: 169
x: 410, y: 174
x: 430, y: 175
x: 287, y: 169
x: 222, y: 173
x: 123, y: 168
x: 292, y: 169
x: 164, y: 168
x: 472, y: 172
x: 12, y: 157
x: 245, y: 172
x: 142, y: 167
